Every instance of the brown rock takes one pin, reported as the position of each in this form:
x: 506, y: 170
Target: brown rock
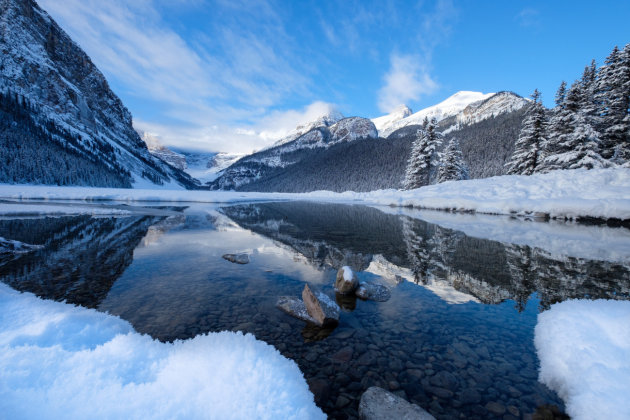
x: 346, y: 281
x: 313, y: 306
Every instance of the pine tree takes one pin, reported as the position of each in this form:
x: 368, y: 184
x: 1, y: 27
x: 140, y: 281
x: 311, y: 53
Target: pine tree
x: 451, y: 166
x: 422, y: 157
x: 612, y: 96
x: 528, y: 151
x: 574, y: 142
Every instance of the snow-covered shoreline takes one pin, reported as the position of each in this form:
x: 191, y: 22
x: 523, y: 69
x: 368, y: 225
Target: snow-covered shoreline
x: 63, y: 361
x: 570, y: 194
x: 584, y: 352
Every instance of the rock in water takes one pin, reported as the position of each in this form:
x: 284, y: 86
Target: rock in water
x: 373, y: 291
x: 237, y: 258
x: 346, y: 282
x: 378, y: 404
x: 294, y: 307
x: 321, y: 308
x: 313, y: 307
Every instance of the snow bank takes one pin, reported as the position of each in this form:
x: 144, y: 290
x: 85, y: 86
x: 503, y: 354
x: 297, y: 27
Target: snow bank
x: 62, y: 361
x: 584, y: 351
x: 602, y: 193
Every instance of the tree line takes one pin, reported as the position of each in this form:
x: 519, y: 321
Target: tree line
x: 589, y: 127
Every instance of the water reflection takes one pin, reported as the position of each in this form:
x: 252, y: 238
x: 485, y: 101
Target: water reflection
x: 165, y: 275
x: 81, y: 257
x: 454, y: 265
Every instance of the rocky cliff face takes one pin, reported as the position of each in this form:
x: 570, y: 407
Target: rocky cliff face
x: 61, y: 87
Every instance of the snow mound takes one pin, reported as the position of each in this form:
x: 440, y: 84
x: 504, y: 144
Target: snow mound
x: 62, y: 361
x: 584, y: 351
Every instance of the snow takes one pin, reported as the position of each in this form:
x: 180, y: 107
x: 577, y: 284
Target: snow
x: 558, y: 238
x: 449, y: 107
x: 347, y: 273
x: 26, y: 209
x: 381, y: 123
x: 584, y: 351
x: 62, y: 361
x: 601, y: 193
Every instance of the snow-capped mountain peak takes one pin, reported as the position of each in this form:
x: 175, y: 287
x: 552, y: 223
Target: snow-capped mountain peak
x: 402, y: 111
x: 449, y: 107
x: 327, y: 119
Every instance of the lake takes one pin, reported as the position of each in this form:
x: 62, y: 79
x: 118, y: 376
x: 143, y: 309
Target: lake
x: 456, y: 336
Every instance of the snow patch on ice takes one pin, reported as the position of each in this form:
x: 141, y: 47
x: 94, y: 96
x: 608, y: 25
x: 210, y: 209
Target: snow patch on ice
x: 62, y: 361
x: 584, y: 351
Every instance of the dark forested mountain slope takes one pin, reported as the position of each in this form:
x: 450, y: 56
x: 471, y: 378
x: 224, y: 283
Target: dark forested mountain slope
x: 63, y: 124
x: 486, y: 131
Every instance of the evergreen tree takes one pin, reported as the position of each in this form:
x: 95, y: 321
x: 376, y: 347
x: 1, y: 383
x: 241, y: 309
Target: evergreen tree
x: 574, y: 142
x: 422, y: 158
x: 612, y: 96
x: 561, y: 94
x: 451, y: 166
x: 528, y: 150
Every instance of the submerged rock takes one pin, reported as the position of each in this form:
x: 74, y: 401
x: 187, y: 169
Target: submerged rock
x: 237, y: 258
x: 346, y: 281
x: 295, y: 307
x: 378, y: 404
x: 373, y: 291
x: 321, y: 308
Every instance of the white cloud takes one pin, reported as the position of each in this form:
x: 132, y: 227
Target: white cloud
x: 407, y: 80
x: 236, y: 139
x: 202, y: 89
x: 528, y: 18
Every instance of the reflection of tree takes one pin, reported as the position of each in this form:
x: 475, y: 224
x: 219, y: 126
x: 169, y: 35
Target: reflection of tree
x: 417, y: 252
x: 523, y: 270
x: 491, y: 271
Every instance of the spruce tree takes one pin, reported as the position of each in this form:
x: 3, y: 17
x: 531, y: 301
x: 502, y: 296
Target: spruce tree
x: 451, y: 166
x: 528, y: 151
x: 612, y: 96
x: 422, y: 158
x: 573, y: 139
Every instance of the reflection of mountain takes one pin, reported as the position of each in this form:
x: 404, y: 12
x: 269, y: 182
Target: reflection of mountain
x: 441, y: 259
x: 81, y: 256
x: 326, y: 234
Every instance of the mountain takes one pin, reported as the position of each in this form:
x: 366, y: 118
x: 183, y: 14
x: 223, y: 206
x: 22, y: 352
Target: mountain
x: 61, y: 122
x: 157, y: 149
x: 206, y: 167
x: 496, y: 104
x: 386, y: 121
x: 327, y: 119
x: 447, y: 108
x: 267, y: 163
x: 486, y: 130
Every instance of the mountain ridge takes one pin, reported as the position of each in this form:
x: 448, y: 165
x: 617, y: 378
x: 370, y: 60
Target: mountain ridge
x: 46, y: 70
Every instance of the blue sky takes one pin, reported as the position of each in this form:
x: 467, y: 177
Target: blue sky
x: 234, y: 75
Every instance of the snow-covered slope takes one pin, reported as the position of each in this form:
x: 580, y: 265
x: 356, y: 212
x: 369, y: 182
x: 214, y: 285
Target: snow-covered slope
x: 325, y: 120
x: 382, y: 123
x: 256, y: 166
x: 206, y: 167
x: 497, y: 104
x: 158, y: 150
x: 64, y: 90
x: 447, y: 108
